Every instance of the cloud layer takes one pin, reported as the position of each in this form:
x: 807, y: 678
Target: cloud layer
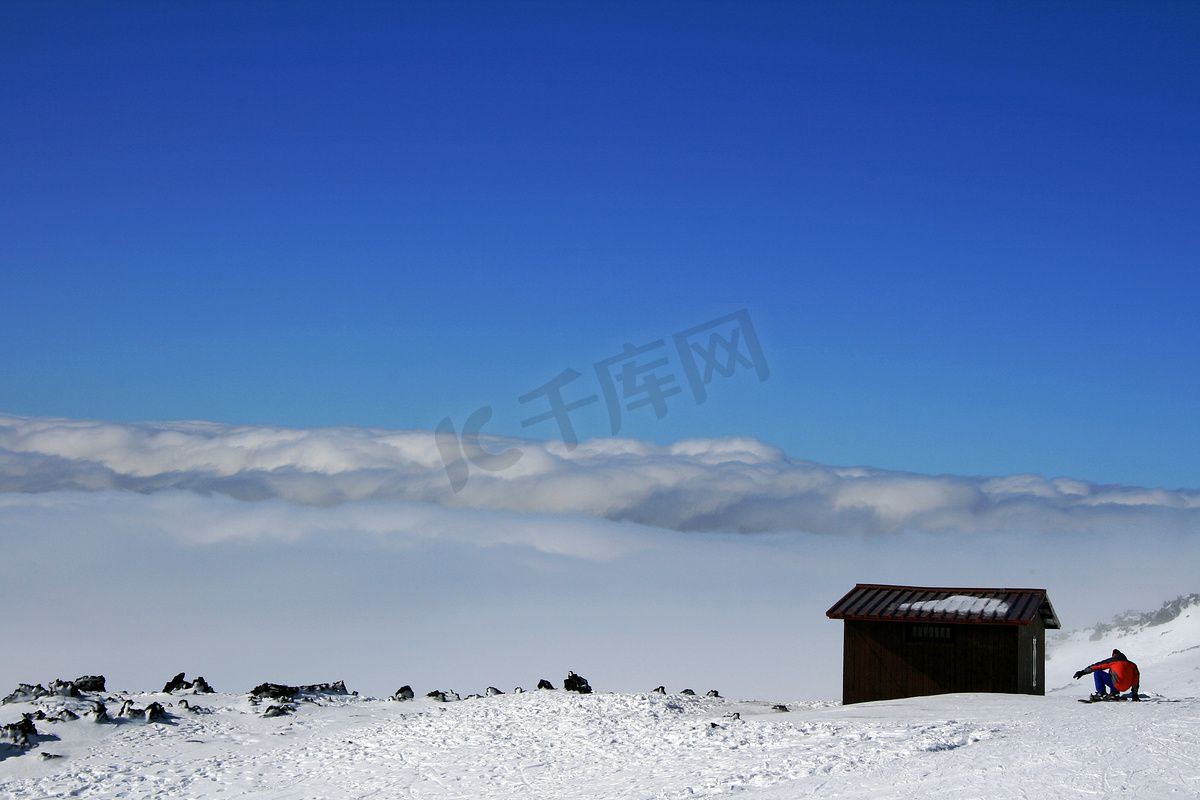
x: 731, y: 484
x: 257, y: 553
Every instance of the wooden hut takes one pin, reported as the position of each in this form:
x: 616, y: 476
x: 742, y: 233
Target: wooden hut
x: 907, y: 641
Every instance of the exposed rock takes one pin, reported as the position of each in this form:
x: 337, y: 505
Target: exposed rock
x: 155, y: 712
x: 18, y: 733
x: 660, y: 690
x: 64, y: 715
x: 278, y: 691
x: 99, y: 712
x: 186, y: 706
x: 545, y: 684
x: 278, y: 711
x: 713, y: 693
x: 89, y: 683
x: 175, y: 684
x: 25, y: 692
x: 128, y: 709
x: 780, y: 707
x: 338, y: 687
x: 405, y: 692
x: 688, y: 692
x: 275, y: 691
x: 179, y: 683
x: 518, y: 690
x: 48, y: 756
x: 492, y: 691
x: 436, y: 695
x: 575, y: 683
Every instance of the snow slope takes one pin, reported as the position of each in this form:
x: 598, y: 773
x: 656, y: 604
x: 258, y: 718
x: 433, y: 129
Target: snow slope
x: 1164, y: 644
x: 557, y: 744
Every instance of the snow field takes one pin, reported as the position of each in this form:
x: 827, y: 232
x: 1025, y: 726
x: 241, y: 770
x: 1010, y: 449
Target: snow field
x: 538, y: 744
x: 556, y: 744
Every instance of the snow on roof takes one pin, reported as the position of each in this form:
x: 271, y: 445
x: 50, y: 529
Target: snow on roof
x: 958, y: 604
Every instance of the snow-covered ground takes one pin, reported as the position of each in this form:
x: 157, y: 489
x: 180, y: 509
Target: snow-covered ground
x: 558, y: 744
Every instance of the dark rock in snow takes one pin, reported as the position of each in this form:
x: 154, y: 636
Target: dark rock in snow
x: 436, y: 695
x: 63, y: 688
x: 151, y: 713
x: 660, y: 690
x: 339, y: 687
x: 128, y: 709
x: 48, y: 756
x: 178, y: 683
x: 24, y: 692
x: 575, y: 683
x: 278, y: 691
x: 688, y: 692
x: 89, y: 683
x: 713, y: 693
x: 175, y: 684
x: 405, y: 692
x: 100, y: 712
x: 518, y: 690
x: 492, y: 691
x: 18, y: 733
x: 277, y: 711
x: 779, y: 707
x: 545, y: 684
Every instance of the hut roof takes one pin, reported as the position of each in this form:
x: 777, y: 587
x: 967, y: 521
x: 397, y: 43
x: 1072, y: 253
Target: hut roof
x: 868, y: 601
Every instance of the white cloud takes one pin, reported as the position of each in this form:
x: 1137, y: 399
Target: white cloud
x: 731, y: 484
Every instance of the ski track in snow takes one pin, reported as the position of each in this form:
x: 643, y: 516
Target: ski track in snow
x: 556, y: 744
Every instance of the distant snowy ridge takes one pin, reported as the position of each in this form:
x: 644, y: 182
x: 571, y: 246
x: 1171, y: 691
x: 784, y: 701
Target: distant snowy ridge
x: 732, y: 484
x: 1133, y: 621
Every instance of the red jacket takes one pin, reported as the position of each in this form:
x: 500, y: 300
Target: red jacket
x: 1124, y: 673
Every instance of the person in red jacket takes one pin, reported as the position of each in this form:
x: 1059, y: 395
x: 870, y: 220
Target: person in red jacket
x: 1115, y: 674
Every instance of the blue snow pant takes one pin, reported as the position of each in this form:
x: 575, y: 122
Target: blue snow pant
x: 1103, y: 679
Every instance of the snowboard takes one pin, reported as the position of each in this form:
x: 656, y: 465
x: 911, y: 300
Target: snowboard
x: 1118, y: 699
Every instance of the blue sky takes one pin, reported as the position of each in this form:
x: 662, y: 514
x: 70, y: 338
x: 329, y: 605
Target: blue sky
x: 965, y: 233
